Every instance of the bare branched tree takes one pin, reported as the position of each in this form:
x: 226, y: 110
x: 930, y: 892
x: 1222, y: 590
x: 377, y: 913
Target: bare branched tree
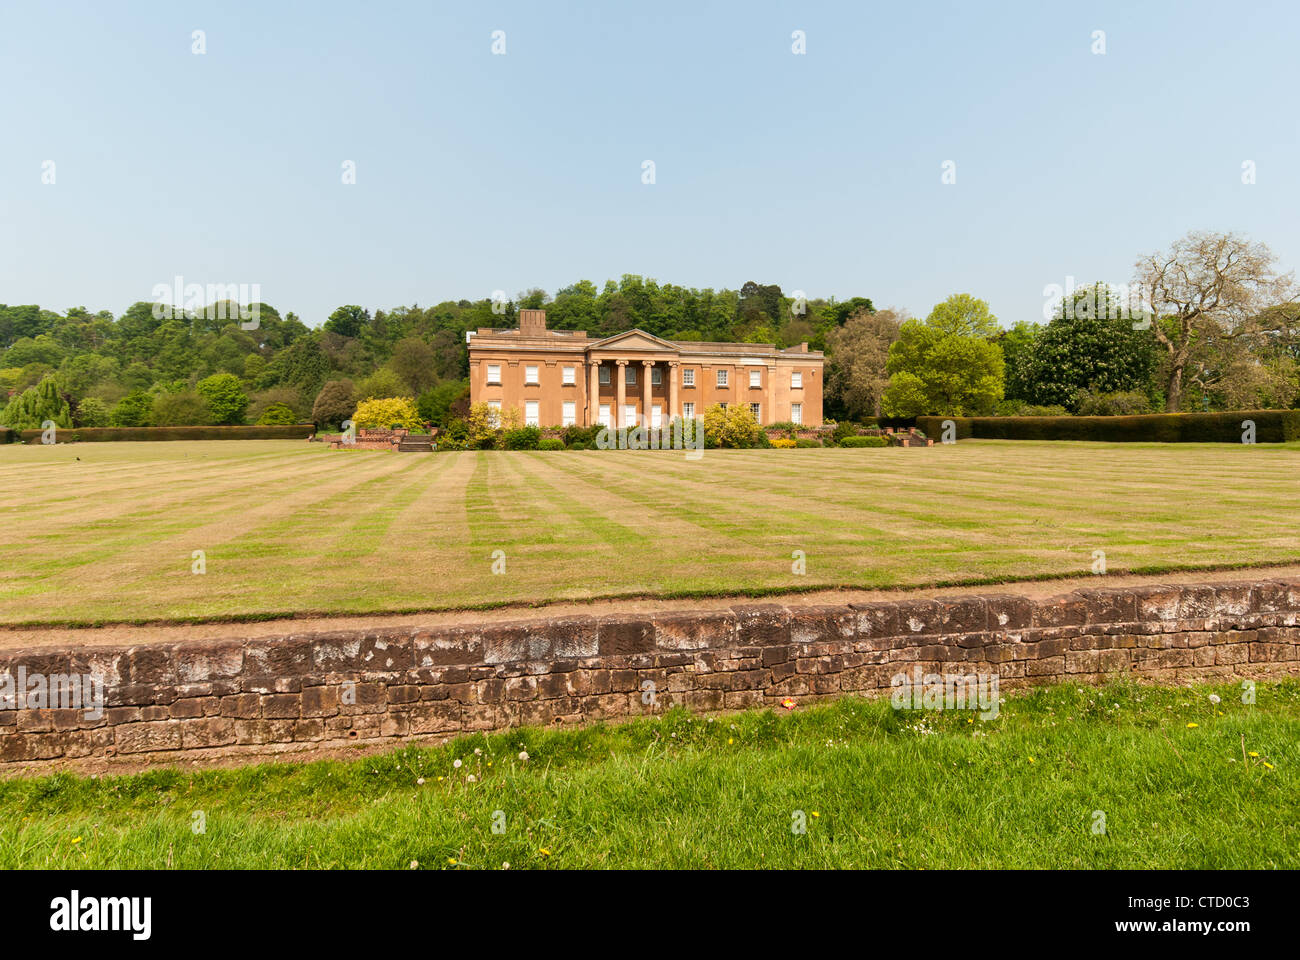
x: 1210, y: 287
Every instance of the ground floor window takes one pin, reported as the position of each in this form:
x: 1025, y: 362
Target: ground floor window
x: 688, y: 410
x: 570, y: 413
x: 796, y: 413
x: 494, y: 413
x: 605, y: 419
x: 756, y: 410
x: 629, y: 415
x: 531, y: 418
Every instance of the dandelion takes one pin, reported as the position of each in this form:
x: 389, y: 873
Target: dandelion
x: 419, y: 781
x: 472, y: 779
x: 1031, y: 759
x: 1192, y: 726
x: 456, y: 764
x: 1267, y: 764
x: 544, y: 852
x: 1214, y: 698
x: 523, y: 755
x: 816, y: 814
x: 415, y: 865
x: 505, y: 864
x: 478, y: 751
x: 452, y: 861
x: 76, y: 839
x: 731, y: 740
x: 1254, y: 754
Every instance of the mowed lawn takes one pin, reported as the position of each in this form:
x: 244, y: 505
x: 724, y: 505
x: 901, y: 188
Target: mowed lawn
x: 1118, y: 777
x: 107, y: 531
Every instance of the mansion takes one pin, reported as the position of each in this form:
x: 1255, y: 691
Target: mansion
x: 565, y: 378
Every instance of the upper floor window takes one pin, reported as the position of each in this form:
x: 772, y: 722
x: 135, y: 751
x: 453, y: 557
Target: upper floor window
x: 656, y: 376
x: 530, y: 374
x: 494, y: 373
x: 570, y: 376
x: 630, y: 376
x: 796, y: 381
x: 722, y: 378
x: 755, y: 378
x: 604, y: 375
x: 688, y: 378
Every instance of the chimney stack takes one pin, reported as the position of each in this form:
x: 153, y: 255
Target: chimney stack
x: 532, y: 323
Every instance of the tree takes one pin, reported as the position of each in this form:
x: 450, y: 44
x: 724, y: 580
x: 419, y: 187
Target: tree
x: 334, y: 404
x: 381, y: 384
x: 36, y: 405
x: 387, y: 412
x: 184, y: 408
x: 945, y: 365
x: 348, y: 321
x: 855, y: 370
x: 1017, y: 344
x: 225, y: 397
x: 1209, y: 286
x: 436, y: 405
x: 277, y: 413
x: 1090, y: 345
x: 91, y: 412
x: 413, y: 360
x: 133, y: 410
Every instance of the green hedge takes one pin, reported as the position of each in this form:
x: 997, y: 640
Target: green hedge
x: 550, y: 443
x: 1271, y: 426
x: 293, y: 431
x: 864, y: 442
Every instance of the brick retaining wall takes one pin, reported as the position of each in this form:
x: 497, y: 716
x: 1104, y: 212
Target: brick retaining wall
x: 264, y: 695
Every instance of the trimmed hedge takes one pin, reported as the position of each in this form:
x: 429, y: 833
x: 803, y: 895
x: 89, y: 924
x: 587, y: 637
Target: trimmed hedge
x: 1271, y: 426
x: 550, y: 443
x: 864, y: 442
x: 292, y: 431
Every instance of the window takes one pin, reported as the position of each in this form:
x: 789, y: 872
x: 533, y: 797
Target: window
x: 604, y: 375
x: 570, y: 416
x: 629, y: 415
x: 723, y: 406
x: 570, y: 376
x: 756, y: 410
x: 656, y: 416
x: 494, y: 374
x: 755, y: 378
x: 530, y: 414
x: 494, y: 413
x: 722, y: 378
x: 796, y: 413
x: 530, y: 374
x: 688, y: 378
x: 630, y: 376
x: 688, y: 411
x: 656, y: 376
x: 604, y: 416
x: 796, y: 381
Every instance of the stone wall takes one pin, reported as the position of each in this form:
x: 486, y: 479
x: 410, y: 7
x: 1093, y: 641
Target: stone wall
x: 306, y: 691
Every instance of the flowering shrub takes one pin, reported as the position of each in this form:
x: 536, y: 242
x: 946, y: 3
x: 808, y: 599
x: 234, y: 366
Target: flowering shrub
x: 381, y: 414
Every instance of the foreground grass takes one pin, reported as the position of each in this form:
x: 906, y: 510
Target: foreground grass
x: 1182, y: 782
x: 107, y: 531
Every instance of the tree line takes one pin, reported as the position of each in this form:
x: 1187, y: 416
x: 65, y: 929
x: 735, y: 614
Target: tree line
x: 1215, y: 327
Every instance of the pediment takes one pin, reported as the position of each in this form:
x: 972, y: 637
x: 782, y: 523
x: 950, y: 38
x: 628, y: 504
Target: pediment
x: 637, y: 340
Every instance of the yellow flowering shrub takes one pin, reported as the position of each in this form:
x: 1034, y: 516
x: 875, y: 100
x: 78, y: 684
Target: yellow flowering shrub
x: 386, y: 412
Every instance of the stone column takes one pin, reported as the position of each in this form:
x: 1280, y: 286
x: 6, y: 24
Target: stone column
x: 619, y: 367
x: 673, y: 410
x: 593, y: 396
x: 646, y: 367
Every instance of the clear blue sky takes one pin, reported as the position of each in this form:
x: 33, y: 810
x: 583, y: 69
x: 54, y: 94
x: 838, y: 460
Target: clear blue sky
x: 477, y: 172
